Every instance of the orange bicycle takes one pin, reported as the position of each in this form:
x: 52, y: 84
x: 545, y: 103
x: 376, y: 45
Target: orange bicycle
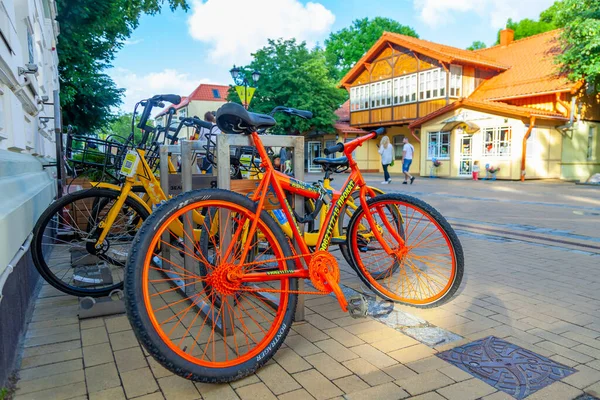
x: 223, y: 309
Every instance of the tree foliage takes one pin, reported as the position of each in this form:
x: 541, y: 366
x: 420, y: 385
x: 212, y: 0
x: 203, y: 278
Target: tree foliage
x: 294, y: 76
x: 528, y: 27
x: 119, y: 128
x: 91, y: 33
x: 580, y: 39
x: 346, y: 46
x: 476, y: 45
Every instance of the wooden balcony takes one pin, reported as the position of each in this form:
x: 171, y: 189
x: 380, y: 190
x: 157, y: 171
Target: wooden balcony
x: 393, y: 115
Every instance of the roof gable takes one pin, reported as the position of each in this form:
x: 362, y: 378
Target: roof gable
x: 440, y: 52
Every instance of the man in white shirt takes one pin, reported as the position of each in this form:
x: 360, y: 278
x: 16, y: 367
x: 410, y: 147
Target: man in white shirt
x: 407, y: 156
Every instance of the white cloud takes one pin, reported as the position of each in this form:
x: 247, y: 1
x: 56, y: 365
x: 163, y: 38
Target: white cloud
x: 131, y: 42
x: 495, y: 12
x: 138, y: 87
x: 236, y: 28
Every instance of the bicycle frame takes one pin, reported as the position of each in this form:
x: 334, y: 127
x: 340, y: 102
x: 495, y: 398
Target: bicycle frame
x: 143, y: 175
x: 281, y: 183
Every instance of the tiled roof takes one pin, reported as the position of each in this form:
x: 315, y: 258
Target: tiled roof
x: 207, y: 91
x: 532, y: 72
x: 204, y: 92
x: 343, y: 112
x: 444, y: 53
x: 345, y: 127
x: 436, y: 51
x: 343, y: 122
x: 492, y: 106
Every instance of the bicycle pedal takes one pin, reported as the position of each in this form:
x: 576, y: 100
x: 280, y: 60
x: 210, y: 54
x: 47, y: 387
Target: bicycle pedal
x: 358, y: 306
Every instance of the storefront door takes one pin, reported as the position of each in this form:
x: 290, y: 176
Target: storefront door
x: 314, y: 151
x: 466, y: 156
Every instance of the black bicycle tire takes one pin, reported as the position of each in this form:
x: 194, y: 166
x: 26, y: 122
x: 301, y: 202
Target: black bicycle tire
x: 38, y: 232
x: 445, y: 226
x: 139, y: 319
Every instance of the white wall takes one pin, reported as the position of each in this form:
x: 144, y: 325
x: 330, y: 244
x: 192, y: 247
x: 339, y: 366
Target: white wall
x: 26, y: 143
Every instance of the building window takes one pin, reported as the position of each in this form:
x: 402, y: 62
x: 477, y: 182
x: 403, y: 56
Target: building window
x: 376, y: 89
x: 497, y: 141
x: 590, y: 142
x: 216, y: 94
x: 398, y: 146
x: 387, y: 98
x: 438, y: 145
x: 432, y: 84
x: 182, y: 113
x: 398, y: 90
x: 364, y: 97
x: 455, y: 81
x: 354, y: 99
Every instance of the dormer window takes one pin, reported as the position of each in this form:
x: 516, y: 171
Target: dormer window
x: 216, y: 93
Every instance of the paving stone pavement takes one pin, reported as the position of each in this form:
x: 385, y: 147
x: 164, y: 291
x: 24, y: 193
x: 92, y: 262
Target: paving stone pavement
x: 543, y: 298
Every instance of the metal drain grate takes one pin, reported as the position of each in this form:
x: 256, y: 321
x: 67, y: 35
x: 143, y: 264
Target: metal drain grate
x: 507, y: 367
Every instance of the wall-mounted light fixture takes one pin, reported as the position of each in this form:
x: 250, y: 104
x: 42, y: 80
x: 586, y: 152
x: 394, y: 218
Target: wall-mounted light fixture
x: 29, y: 69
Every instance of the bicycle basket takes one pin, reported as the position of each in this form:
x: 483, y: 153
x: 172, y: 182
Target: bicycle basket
x: 87, y: 151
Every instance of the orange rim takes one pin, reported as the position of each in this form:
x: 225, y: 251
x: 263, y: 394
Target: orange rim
x: 420, y: 271
x: 213, y: 325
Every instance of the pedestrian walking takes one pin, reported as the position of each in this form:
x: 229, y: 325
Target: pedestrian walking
x: 476, y: 170
x: 408, y: 151
x: 387, y: 158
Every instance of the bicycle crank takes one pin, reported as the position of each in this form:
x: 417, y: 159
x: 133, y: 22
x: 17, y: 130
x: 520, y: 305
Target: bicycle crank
x: 324, y: 274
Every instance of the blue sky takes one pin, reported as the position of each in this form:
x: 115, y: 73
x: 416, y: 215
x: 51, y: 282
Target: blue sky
x: 174, y: 52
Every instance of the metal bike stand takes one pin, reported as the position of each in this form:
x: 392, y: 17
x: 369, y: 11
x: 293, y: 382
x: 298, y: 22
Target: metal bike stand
x: 224, y: 179
x: 102, y: 306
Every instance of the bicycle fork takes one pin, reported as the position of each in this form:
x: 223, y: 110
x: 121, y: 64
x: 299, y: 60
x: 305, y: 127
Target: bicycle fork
x: 110, y: 218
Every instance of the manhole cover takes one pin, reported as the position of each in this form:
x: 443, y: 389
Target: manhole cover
x: 507, y: 367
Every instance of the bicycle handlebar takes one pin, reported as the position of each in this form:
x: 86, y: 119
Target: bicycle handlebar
x: 339, y: 147
x: 336, y: 148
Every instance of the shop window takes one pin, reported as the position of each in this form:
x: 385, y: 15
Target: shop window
x: 497, y: 141
x: 438, y: 145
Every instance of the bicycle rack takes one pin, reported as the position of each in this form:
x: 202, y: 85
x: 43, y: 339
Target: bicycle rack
x: 90, y: 307
x: 190, y: 181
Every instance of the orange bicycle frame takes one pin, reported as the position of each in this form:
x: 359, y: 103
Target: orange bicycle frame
x: 281, y: 183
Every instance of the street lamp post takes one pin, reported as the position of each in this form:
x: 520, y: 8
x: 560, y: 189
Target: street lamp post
x: 240, y: 79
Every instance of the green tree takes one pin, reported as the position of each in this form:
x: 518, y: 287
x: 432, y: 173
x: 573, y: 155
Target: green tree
x: 91, y: 33
x: 346, y: 46
x: 580, y: 39
x: 527, y: 27
x: 293, y: 75
x: 476, y: 45
x: 119, y: 128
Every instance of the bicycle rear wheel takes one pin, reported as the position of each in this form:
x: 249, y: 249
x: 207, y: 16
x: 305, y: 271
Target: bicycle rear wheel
x: 424, y: 271
x: 64, y: 239
x: 196, y: 318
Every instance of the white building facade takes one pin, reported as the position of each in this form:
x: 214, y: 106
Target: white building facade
x: 28, y: 81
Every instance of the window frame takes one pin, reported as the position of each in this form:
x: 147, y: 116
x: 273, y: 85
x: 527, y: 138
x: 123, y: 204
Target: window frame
x: 496, y: 142
x: 439, y: 143
x: 455, y: 88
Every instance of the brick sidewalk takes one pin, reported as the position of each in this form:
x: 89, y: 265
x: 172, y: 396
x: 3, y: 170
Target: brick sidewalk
x: 540, y: 298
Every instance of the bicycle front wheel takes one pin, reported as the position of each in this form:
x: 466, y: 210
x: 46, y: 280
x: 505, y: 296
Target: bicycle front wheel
x: 188, y: 305
x: 426, y: 264
x: 64, y: 242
